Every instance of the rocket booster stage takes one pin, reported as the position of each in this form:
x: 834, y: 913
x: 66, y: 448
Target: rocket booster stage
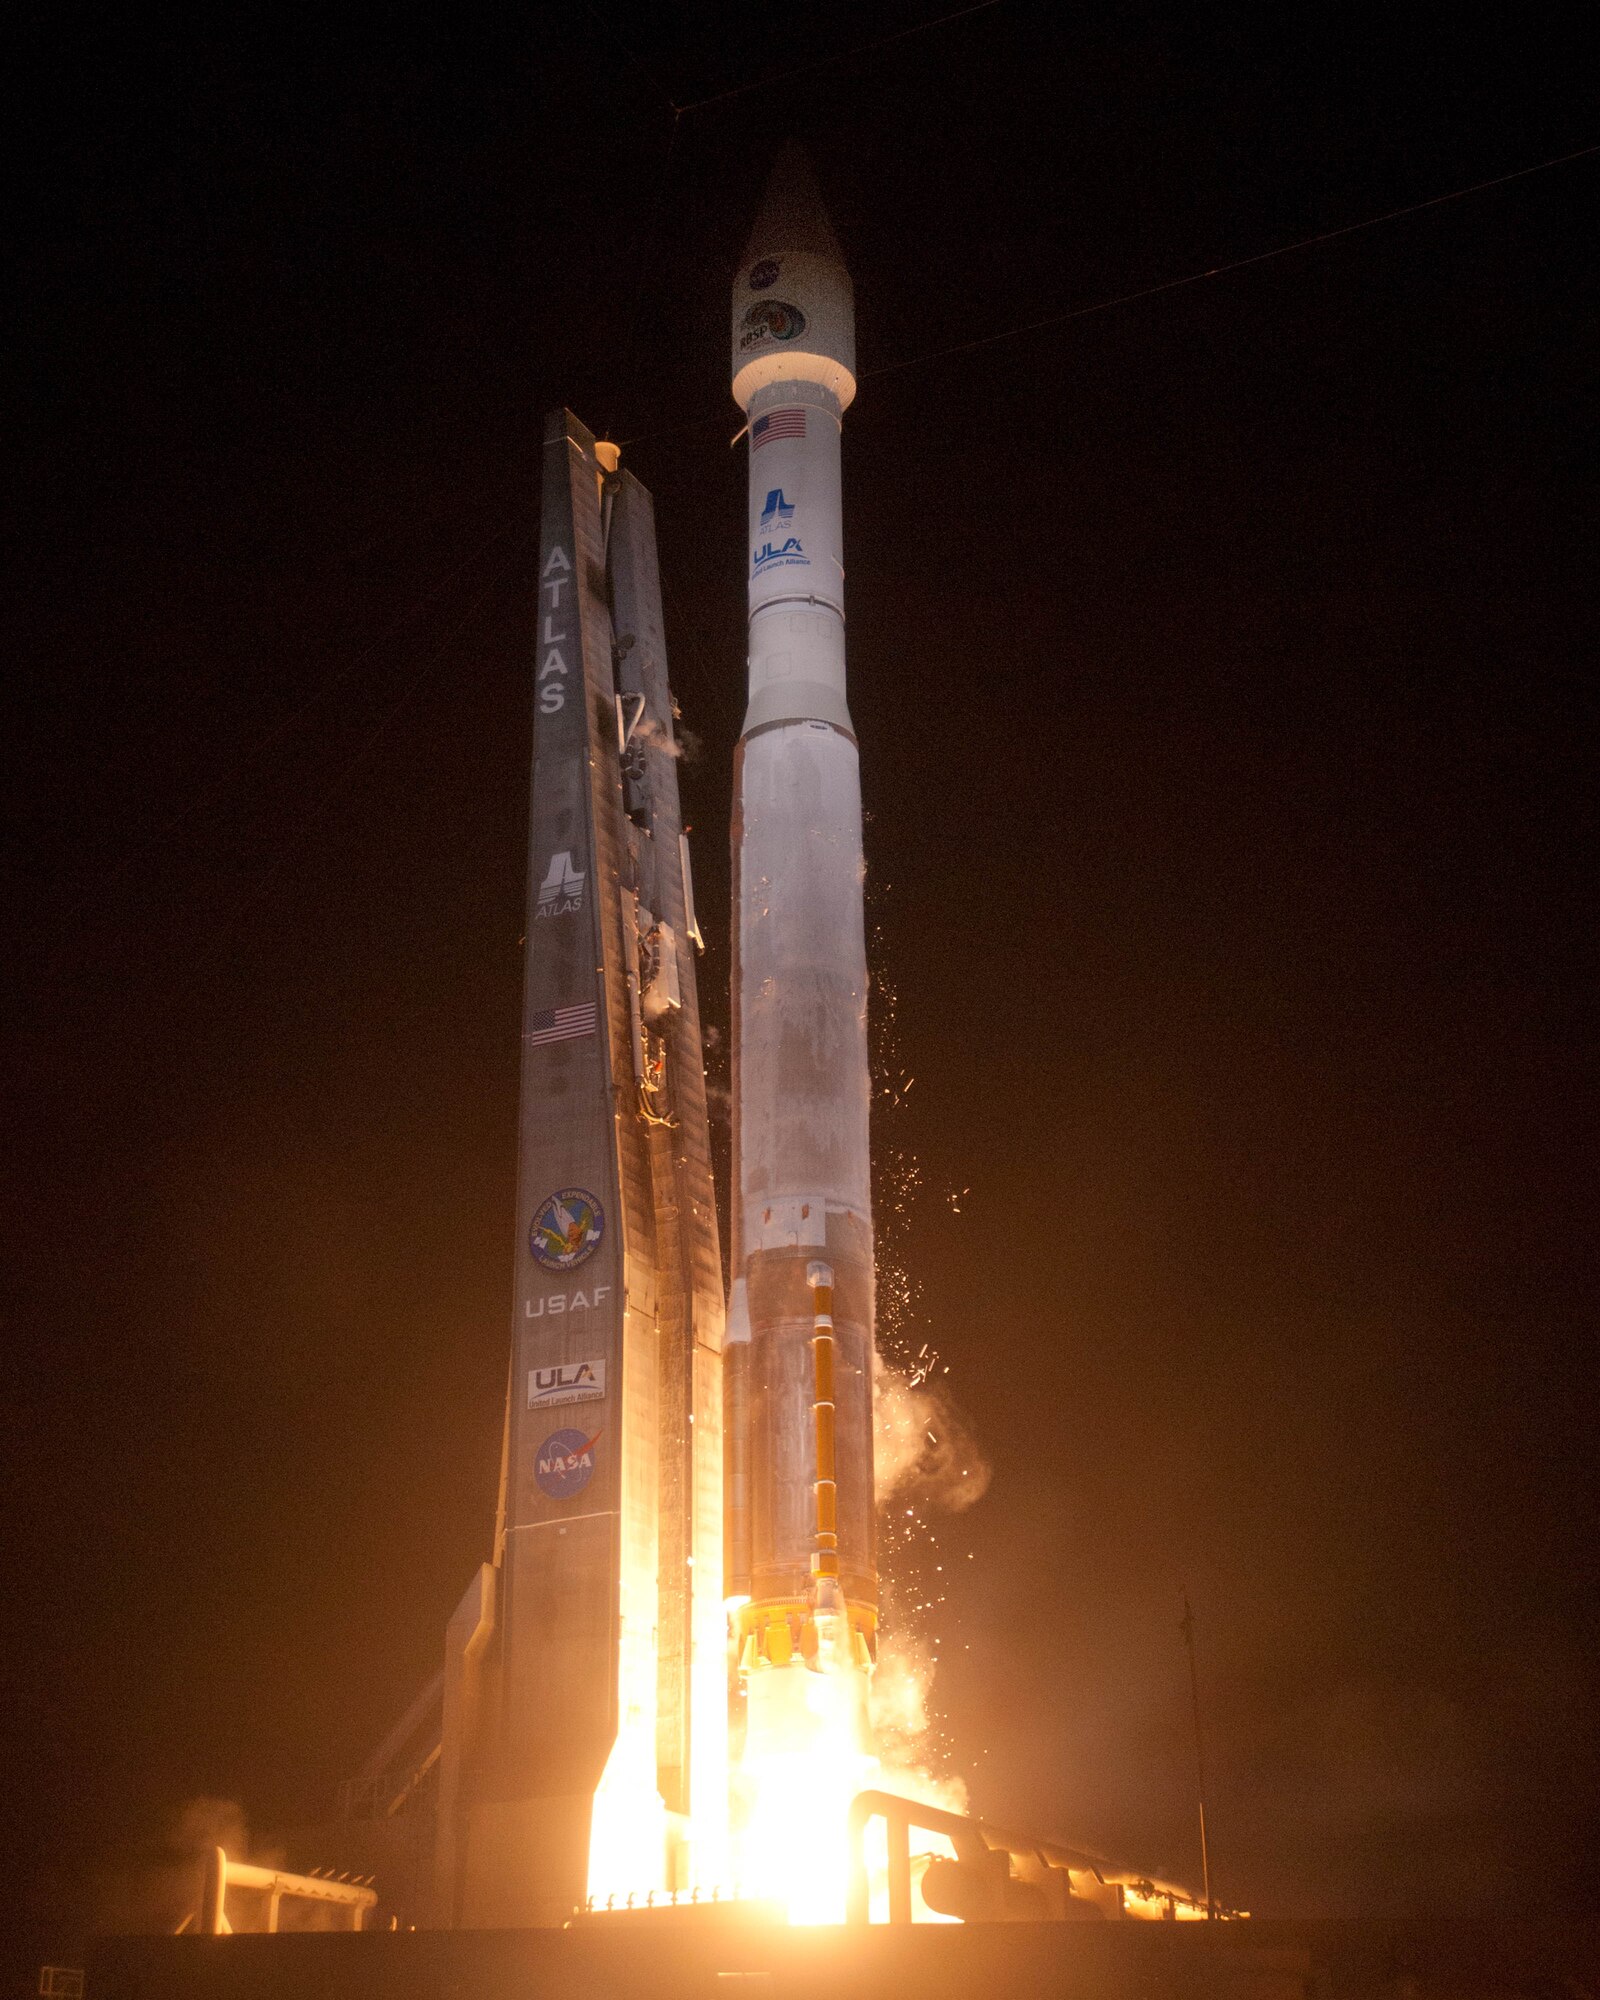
x: 801, y: 1548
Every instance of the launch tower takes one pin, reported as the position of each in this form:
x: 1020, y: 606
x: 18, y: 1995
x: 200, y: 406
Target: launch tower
x: 585, y: 1712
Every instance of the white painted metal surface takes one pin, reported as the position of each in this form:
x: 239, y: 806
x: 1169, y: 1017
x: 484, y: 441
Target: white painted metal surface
x: 801, y: 1085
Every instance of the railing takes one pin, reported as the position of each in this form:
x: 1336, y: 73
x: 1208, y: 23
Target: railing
x: 211, y: 1919
x: 384, y: 1794
x: 1048, y: 1881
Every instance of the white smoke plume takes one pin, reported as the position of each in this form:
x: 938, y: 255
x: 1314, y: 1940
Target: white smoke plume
x: 158, y: 1886
x: 682, y: 742
x: 905, y: 1729
x: 925, y: 1452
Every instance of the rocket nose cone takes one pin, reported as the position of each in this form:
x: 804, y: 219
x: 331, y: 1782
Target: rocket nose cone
x: 794, y: 316
x: 792, y: 216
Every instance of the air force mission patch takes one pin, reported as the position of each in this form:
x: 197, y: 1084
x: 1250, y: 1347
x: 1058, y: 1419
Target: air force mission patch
x: 567, y: 1230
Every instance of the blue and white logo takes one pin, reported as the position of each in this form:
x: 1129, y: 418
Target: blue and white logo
x: 777, y: 510
x: 566, y: 1382
x: 764, y: 274
x: 784, y: 555
x: 564, y: 1463
x: 567, y: 1230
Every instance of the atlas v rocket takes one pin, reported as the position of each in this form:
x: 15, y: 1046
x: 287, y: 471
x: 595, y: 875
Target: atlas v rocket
x: 800, y: 1525
x: 587, y: 1668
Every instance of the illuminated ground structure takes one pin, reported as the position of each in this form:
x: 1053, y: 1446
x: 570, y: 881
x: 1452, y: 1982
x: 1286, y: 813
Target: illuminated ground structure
x: 584, y: 1738
x: 575, y: 1741
x: 654, y: 1955
x: 572, y: 1757
x: 566, y: 1805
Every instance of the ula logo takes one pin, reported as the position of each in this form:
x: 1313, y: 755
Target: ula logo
x: 777, y: 508
x: 564, y: 1463
x: 561, y: 891
x: 790, y: 552
x: 566, y: 1382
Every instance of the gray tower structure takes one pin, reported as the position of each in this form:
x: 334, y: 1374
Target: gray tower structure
x: 585, y: 1715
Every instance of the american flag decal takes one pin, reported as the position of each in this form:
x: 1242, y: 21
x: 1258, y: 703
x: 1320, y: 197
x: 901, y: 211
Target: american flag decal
x: 777, y: 424
x: 560, y: 1024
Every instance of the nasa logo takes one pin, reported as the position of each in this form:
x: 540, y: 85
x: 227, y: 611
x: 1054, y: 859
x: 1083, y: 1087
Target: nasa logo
x: 564, y: 1463
x: 561, y: 891
x: 771, y: 319
x: 566, y: 1382
x: 763, y: 274
x: 790, y: 554
x: 776, y: 509
x: 567, y: 1230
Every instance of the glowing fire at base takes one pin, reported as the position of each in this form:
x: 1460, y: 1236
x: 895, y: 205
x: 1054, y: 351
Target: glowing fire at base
x: 778, y: 1832
x: 808, y: 1751
x: 628, y: 1833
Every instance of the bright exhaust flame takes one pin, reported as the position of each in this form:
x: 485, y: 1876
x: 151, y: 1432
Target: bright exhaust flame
x: 628, y: 1850
x: 815, y: 1738
x: 808, y: 1751
x: 817, y: 1735
x: 810, y: 1748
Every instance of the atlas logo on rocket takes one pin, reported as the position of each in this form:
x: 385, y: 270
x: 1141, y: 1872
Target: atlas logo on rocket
x: 564, y: 1463
x: 561, y: 891
x: 556, y: 578
x: 777, y: 508
x: 567, y: 1230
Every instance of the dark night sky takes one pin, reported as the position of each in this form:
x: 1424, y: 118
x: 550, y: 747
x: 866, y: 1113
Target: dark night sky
x: 1223, y: 670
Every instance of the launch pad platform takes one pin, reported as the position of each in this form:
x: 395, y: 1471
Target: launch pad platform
x: 725, y: 1955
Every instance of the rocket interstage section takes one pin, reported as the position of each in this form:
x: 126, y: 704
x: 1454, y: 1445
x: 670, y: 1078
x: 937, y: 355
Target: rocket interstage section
x: 801, y: 1535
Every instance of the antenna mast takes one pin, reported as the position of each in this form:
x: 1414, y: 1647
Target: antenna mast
x: 1187, y: 1629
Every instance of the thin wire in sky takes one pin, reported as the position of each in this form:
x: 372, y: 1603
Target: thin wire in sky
x: 1170, y: 284
x: 843, y: 55
x: 1221, y: 270
x: 768, y: 82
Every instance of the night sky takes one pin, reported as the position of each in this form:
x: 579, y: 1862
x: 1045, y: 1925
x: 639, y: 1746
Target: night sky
x: 1223, y: 669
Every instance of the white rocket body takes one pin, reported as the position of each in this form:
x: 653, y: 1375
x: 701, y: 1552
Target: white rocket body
x: 802, y: 1195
